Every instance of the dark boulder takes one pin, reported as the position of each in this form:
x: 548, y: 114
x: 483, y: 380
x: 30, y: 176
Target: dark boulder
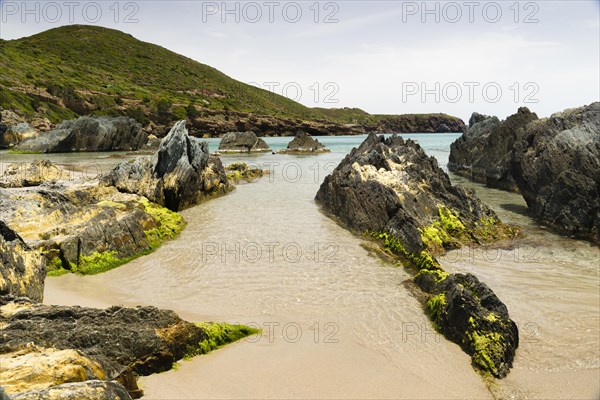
x: 484, y: 152
x: 557, y: 168
x: 242, y: 142
x: 391, y: 189
x: 179, y: 175
x: 88, y: 134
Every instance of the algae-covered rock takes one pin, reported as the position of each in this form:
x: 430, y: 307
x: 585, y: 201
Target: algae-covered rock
x: 22, y: 271
x: 391, y: 189
x: 179, y: 175
x: 86, y: 228
x: 11, y: 135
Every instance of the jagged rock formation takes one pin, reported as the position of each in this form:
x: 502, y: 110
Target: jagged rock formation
x: 242, y: 142
x: 554, y: 163
x: 86, y: 228
x: 181, y: 173
x: 89, y: 134
x: 484, y: 152
x: 557, y: 168
x: 392, y: 189
x: 303, y: 143
x: 22, y: 271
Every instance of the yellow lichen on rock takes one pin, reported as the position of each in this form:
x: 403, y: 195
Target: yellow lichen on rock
x: 35, y: 368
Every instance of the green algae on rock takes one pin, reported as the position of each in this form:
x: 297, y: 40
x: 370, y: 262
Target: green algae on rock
x: 391, y: 188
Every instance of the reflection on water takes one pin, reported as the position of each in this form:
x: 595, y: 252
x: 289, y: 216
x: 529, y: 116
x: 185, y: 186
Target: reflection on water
x: 265, y: 255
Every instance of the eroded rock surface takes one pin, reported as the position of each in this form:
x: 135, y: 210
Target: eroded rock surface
x: 89, y: 134
x: 304, y: 143
x: 179, y: 175
x: 391, y: 189
x: 19, y: 175
x: 242, y: 142
x: 22, y: 270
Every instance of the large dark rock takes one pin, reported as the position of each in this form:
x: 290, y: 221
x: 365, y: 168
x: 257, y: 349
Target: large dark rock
x: 484, y: 152
x: 304, y: 143
x: 420, y: 123
x: 557, y: 168
x: 179, y: 175
x: 22, y: 271
x: 89, y: 134
x: 393, y: 190
x: 243, y: 142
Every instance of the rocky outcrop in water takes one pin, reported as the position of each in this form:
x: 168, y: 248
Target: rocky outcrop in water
x: 553, y: 162
x: 484, y: 152
x: 420, y: 123
x: 85, y: 228
x: 243, y: 142
x: 179, y: 175
x: 89, y: 134
x: 557, y: 168
x: 303, y: 143
x: 22, y: 271
x: 66, y: 352
x: 392, y: 189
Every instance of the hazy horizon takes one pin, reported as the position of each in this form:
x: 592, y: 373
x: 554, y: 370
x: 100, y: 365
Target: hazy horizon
x: 383, y: 57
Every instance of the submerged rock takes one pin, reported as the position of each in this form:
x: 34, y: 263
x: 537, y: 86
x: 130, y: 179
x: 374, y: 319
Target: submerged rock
x: 392, y: 189
x: 557, y: 168
x: 34, y: 174
x: 484, y: 152
x: 242, y: 142
x: 179, y: 175
x: 237, y: 172
x: 22, y: 271
x: 89, y: 134
x: 304, y: 143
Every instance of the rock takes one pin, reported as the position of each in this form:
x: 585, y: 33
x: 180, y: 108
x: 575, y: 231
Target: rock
x: 242, y: 142
x: 393, y: 190
x: 89, y: 134
x: 22, y: 271
x: 242, y: 171
x: 470, y: 314
x: 34, y: 174
x: 34, y: 368
x: 557, y: 168
x: 89, y: 390
x: 86, y: 228
x: 79, y: 344
x: 484, y: 152
x: 11, y: 135
x: 179, y: 175
x: 419, y: 123
x: 304, y: 143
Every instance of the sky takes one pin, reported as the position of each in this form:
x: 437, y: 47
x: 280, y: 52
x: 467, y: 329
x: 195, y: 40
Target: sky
x: 385, y: 57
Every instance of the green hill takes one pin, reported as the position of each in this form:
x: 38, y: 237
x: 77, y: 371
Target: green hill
x: 88, y: 69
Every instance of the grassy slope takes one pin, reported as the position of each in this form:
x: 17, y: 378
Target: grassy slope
x: 80, y: 70
x: 105, y: 66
